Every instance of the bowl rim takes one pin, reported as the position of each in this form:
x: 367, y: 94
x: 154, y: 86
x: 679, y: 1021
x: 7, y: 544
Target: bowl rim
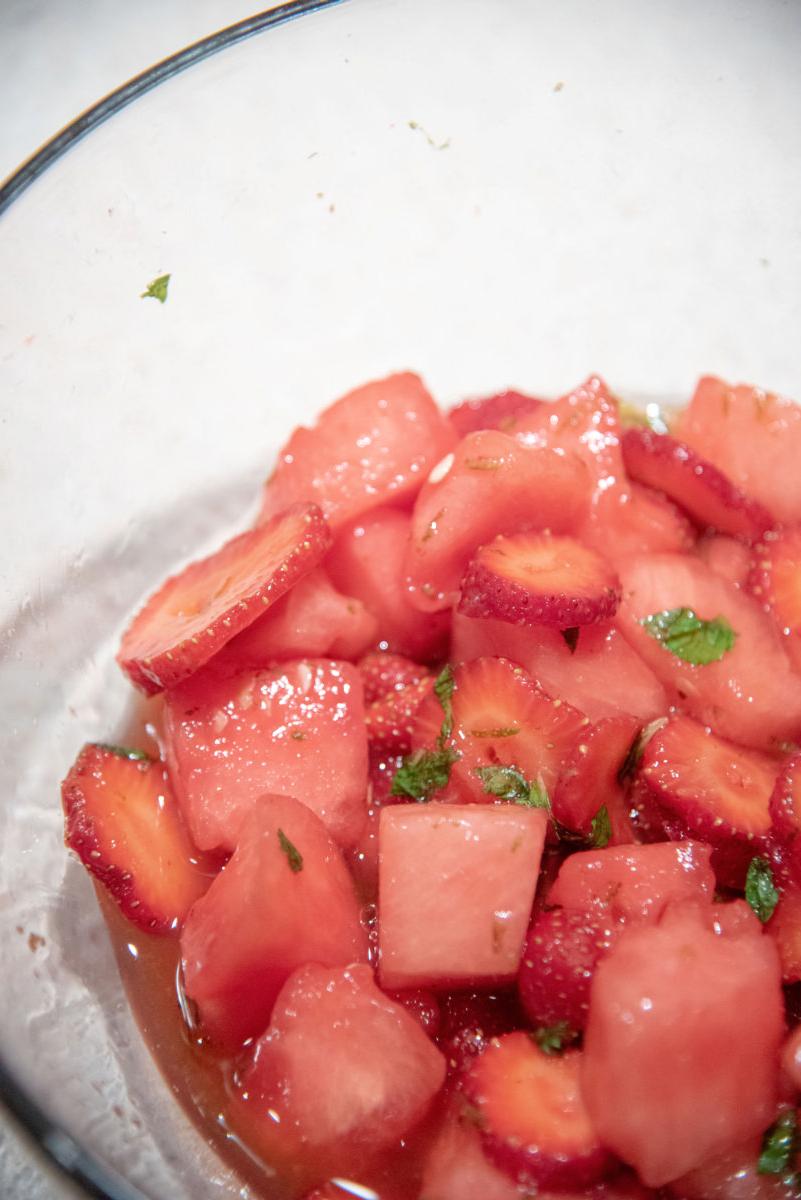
x: 56, y: 1148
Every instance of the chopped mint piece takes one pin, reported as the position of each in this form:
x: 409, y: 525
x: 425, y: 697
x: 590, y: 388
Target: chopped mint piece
x: 443, y: 690
x: 760, y: 890
x: 504, y: 782
x: 157, y: 289
x: 124, y: 752
x: 552, y: 1039
x: 423, y: 772
x: 601, y: 828
x: 293, y: 855
x: 778, y: 1145
x: 689, y: 637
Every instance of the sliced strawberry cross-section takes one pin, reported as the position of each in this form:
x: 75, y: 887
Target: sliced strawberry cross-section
x: 195, y: 613
x: 534, y: 1123
x: 373, y: 446
x: 717, y: 789
x: 122, y: 821
x: 500, y: 719
x: 537, y: 579
x: 660, y: 461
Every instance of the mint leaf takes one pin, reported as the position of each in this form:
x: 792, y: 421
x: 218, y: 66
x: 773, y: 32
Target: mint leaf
x: 553, y: 1039
x: 571, y: 637
x: 124, y: 752
x: 443, y: 690
x: 760, y: 891
x: 689, y: 637
x: 293, y: 855
x: 778, y: 1145
x: 601, y: 828
x: 157, y: 289
x: 423, y: 772
x: 635, y: 751
x: 537, y: 796
x: 505, y: 782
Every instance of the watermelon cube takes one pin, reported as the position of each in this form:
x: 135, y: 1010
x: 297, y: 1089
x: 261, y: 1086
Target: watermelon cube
x: 342, y: 1070
x: 296, y: 729
x: 456, y: 885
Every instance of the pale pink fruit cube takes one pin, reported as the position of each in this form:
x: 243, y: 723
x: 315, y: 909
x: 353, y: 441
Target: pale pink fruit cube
x: 456, y: 885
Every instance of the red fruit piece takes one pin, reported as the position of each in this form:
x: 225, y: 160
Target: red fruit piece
x: 681, y: 1047
x: 534, y: 1123
x: 284, y: 899
x: 391, y: 720
x: 490, y: 485
x: 637, y: 520
x: 500, y: 718
x: 470, y: 1019
x: 536, y: 579
x: 785, y: 801
x: 383, y: 674
x: 726, y: 557
x: 753, y: 436
x: 784, y: 928
x: 492, y: 412
x: 716, y: 789
x: 775, y: 581
x: 589, y: 778
x: 381, y: 1071
x: 312, y: 620
x: 602, y: 675
x: 195, y: 613
x: 732, y: 1176
x: 708, y: 495
x: 368, y: 560
x: 373, y: 446
x: 559, y: 959
x: 476, y: 869
x: 297, y: 729
x: 422, y: 1005
x: 456, y: 1167
x: 121, y: 819
x: 751, y: 694
x: 634, y: 883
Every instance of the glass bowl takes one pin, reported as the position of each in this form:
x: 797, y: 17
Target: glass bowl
x: 507, y: 194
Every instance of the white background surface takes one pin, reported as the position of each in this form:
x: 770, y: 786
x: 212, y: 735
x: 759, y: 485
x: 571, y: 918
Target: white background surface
x: 57, y: 57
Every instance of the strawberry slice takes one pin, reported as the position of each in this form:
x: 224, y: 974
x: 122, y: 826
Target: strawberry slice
x: 121, y: 819
x: 194, y: 614
x: 383, y: 674
x: 501, y: 719
x: 751, y: 435
x: 589, y: 779
x: 700, y: 488
x: 390, y: 721
x: 785, y: 801
x: 717, y: 790
x: 775, y: 581
x: 373, y: 446
x: 492, y: 412
x: 536, y: 579
x: 534, y: 1122
x: 313, y: 619
x: 561, y: 953
x: 489, y: 485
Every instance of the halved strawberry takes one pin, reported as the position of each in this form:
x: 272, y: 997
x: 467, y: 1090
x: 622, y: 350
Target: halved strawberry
x: 373, y: 446
x: 500, y: 719
x: 599, y: 672
x: 532, y: 1116
x: 709, y: 496
x: 489, y: 485
x: 752, y: 435
x: 537, y: 579
x: 726, y: 556
x: 775, y: 581
x: 313, y: 619
x: 194, y: 614
x: 491, y: 412
x: 368, y: 560
x: 561, y: 953
x: 121, y: 819
x: 716, y: 789
x: 383, y: 674
x: 590, y: 775
x: 390, y: 721
x: 751, y: 694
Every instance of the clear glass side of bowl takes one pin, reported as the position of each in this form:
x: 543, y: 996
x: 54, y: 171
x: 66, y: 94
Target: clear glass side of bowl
x: 495, y: 195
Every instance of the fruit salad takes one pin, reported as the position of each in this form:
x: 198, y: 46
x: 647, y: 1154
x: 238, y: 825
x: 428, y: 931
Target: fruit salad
x: 465, y: 864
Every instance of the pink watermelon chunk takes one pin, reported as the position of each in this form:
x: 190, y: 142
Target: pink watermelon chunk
x: 284, y: 899
x: 457, y: 1168
x: 342, y: 1068
x: 296, y: 729
x: 456, y: 885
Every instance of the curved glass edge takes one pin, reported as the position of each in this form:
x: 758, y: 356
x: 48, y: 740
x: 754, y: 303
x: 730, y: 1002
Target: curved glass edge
x: 51, y: 151
x: 62, y: 1151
